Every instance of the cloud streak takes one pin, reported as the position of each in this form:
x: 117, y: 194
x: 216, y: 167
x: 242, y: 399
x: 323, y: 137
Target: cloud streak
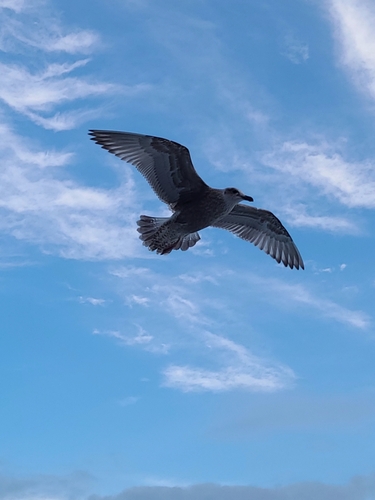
x: 15, y: 5
x: 353, y: 22
x: 40, y: 93
x: 296, y: 51
x: 285, y: 292
x: 224, y: 364
x: 33, y: 93
x: 34, y: 28
x: 39, y: 205
x: 320, y: 166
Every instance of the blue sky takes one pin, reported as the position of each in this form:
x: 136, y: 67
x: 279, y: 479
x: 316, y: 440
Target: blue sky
x: 215, y: 372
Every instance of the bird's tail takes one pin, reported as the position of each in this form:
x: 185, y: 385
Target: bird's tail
x: 186, y: 242
x: 149, y: 233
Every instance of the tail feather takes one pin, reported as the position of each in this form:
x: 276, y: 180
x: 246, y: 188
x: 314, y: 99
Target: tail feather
x: 186, y: 242
x: 149, y: 226
x: 150, y: 235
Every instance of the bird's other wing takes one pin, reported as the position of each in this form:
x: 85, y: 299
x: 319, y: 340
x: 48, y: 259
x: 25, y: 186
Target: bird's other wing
x: 264, y: 230
x: 165, y: 164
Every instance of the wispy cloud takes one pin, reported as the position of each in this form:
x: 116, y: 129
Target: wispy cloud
x: 284, y: 293
x: 16, y: 5
x: 297, y: 216
x: 241, y: 370
x: 36, y: 28
x: 128, y: 401
x: 225, y: 364
x: 353, y: 22
x: 92, y: 300
x: 34, y: 93
x: 320, y: 166
x: 45, y: 207
x: 73, y: 43
x: 140, y: 338
x: 295, y: 50
x: 39, y: 93
x: 205, y: 325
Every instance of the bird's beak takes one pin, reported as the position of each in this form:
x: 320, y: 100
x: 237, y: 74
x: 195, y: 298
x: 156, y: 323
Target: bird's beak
x: 247, y: 198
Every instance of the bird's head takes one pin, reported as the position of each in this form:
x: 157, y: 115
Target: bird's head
x: 233, y: 195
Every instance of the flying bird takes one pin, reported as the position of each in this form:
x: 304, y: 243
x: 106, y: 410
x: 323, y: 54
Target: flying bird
x: 168, y: 168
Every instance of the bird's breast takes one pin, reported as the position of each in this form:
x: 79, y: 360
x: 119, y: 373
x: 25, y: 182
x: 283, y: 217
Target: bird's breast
x: 202, y: 211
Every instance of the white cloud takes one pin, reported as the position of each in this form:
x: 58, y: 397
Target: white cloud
x: 240, y: 370
x: 298, y: 217
x: 78, y: 42
x: 39, y: 205
x: 34, y: 93
x: 91, y: 300
x: 141, y: 338
x: 128, y: 401
x: 37, y: 92
x: 287, y: 293
x: 295, y: 50
x: 139, y: 300
x: 35, y: 28
x: 354, y: 22
x: 189, y: 379
x: 201, y: 319
x: 16, y: 5
x: 319, y: 166
x: 224, y: 364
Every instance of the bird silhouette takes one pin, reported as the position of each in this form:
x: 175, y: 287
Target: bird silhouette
x: 168, y: 168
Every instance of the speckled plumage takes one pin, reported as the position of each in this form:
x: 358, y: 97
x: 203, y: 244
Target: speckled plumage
x: 168, y: 168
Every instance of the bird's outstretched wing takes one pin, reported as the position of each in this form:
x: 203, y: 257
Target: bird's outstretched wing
x: 165, y: 164
x: 264, y: 230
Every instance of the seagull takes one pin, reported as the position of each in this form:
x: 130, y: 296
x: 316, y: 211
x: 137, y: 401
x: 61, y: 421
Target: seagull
x: 168, y: 168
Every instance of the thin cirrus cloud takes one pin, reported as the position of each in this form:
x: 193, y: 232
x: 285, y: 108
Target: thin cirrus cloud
x: 353, y: 22
x: 34, y: 93
x: 295, y: 50
x: 298, y: 216
x: 48, y: 36
x: 321, y: 167
x: 242, y: 370
x: 16, y: 5
x: 182, y: 301
x: 35, y: 28
x: 43, y: 207
x: 37, y: 93
x: 299, y: 294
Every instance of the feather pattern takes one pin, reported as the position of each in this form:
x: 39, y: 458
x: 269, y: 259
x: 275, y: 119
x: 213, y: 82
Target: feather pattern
x: 168, y: 168
x: 165, y: 164
x: 265, y: 231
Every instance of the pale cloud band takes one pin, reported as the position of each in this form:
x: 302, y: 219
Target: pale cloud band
x: 354, y: 22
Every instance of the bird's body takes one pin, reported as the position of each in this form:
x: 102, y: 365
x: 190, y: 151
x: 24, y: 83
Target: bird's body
x: 168, y: 168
